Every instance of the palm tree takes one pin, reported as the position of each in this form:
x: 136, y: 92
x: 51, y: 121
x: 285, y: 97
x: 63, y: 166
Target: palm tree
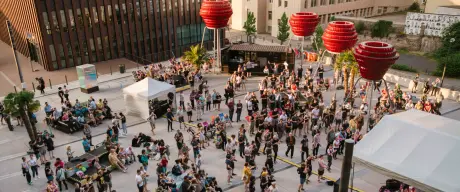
x: 196, y: 56
x: 353, y: 68
x: 347, y: 63
x: 22, y: 104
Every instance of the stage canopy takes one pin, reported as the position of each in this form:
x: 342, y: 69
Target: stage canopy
x: 414, y: 147
x: 138, y: 95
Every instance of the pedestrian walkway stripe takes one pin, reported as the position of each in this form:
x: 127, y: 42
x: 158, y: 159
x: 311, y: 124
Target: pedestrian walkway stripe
x: 7, y: 176
x: 7, y: 79
x: 314, y: 172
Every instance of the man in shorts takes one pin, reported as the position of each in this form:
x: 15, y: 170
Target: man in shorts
x: 302, y: 171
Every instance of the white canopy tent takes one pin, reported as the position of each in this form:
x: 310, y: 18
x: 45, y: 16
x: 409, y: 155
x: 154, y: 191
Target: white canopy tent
x: 137, y: 95
x: 414, y: 147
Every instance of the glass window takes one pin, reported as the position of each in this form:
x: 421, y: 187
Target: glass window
x: 109, y: 13
x: 72, y: 21
x: 138, y: 11
x: 331, y: 2
x: 144, y: 10
x: 269, y: 15
x: 131, y: 11
x: 46, y: 22
x: 150, y: 7
x: 62, y: 56
x: 88, y: 17
x: 79, y: 18
x: 322, y: 2
x: 63, y: 20
x: 117, y: 13
x: 125, y: 13
x: 181, y: 8
x: 107, y: 46
x: 385, y: 9
x: 279, y: 3
x: 85, y: 52
x: 53, y: 53
x: 285, y: 3
x: 99, y: 45
x: 96, y: 19
x: 69, y: 54
x: 102, y: 11
x: 313, y: 3
x: 55, y: 21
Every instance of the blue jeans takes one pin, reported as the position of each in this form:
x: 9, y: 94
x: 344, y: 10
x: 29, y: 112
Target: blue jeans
x: 302, y: 180
x: 123, y: 126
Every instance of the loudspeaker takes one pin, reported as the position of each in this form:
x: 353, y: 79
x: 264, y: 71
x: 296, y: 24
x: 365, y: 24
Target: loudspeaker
x: 336, y: 185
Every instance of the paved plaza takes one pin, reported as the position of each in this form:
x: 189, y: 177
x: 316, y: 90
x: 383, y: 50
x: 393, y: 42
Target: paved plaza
x: 14, y: 143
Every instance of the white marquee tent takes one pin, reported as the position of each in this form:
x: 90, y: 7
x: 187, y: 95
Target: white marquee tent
x: 414, y: 147
x: 137, y: 95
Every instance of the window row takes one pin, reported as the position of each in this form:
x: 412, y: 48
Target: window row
x: 315, y: 3
x: 105, y: 14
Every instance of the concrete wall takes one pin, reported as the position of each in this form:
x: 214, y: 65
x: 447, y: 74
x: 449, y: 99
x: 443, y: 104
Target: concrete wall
x: 406, y: 82
x: 398, y: 26
x: 432, y: 5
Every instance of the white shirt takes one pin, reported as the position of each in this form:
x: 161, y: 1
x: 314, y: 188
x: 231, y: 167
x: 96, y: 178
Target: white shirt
x: 139, y: 181
x: 273, y: 189
x: 315, y: 113
x: 33, y: 161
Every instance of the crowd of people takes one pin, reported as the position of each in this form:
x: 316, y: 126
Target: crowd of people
x: 289, y: 108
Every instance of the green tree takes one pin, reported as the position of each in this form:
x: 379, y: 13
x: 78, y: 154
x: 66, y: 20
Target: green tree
x: 283, y: 29
x: 415, y: 7
x: 360, y: 27
x: 317, y: 44
x: 381, y: 29
x: 250, y: 25
x: 196, y: 56
x: 347, y: 63
x: 447, y: 54
x: 22, y: 104
x: 452, y: 66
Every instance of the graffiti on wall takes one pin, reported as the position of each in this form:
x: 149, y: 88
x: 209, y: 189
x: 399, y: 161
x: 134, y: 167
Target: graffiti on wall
x: 433, y: 24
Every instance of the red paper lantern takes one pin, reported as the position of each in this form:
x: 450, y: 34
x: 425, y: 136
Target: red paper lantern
x: 339, y: 36
x: 303, y: 23
x: 216, y: 13
x: 374, y: 58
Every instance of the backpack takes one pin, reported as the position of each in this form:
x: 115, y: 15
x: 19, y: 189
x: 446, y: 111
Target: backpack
x: 176, y: 170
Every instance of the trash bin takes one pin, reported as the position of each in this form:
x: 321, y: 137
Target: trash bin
x: 122, y: 68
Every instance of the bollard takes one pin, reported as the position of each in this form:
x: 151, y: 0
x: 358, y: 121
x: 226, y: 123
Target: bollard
x: 33, y: 86
x: 51, y: 86
x: 111, y: 70
x: 97, y: 76
x: 66, y: 82
x: 15, y: 90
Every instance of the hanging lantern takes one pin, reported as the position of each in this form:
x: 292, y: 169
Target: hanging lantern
x: 304, y: 23
x: 339, y: 36
x: 374, y: 58
x: 216, y: 13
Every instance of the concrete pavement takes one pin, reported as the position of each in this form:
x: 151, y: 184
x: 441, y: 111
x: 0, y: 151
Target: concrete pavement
x: 13, y: 147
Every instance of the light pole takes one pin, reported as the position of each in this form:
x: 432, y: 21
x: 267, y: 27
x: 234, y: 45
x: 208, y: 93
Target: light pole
x: 451, y: 41
x: 15, y: 54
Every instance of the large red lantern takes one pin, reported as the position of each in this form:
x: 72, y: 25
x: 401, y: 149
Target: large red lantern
x: 374, y: 58
x: 216, y: 13
x: 339, y: 36
x: 304, y: 23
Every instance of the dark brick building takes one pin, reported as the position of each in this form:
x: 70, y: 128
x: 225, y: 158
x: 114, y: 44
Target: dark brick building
x: 66, y: 33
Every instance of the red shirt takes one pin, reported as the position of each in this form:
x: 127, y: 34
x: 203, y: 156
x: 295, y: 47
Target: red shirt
x: 164, y: 162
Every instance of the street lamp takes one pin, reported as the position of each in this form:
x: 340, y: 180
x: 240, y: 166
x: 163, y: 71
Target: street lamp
x: 451, y: 41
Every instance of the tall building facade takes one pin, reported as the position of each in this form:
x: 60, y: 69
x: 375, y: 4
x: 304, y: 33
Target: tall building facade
x: 431, y: 6
x: 67, y: 33
x: 268, y: 12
